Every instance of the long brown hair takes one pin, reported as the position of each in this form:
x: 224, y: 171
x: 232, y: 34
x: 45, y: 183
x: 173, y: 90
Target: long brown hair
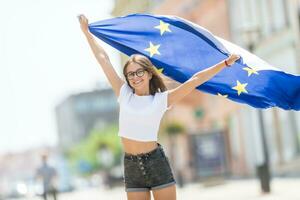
x: 156, y: 83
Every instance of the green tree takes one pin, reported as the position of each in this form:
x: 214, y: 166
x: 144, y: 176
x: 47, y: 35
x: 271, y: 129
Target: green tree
x: 86, y: 151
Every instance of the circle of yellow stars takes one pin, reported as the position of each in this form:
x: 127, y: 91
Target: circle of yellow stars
x: 153, y: 50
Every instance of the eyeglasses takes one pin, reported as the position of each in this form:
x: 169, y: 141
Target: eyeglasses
x: 139, y: 73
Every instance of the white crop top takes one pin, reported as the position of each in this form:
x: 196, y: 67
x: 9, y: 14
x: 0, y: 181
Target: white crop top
x: 140, y: 116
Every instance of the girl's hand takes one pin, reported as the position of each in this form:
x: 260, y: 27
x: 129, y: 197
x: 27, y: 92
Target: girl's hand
x: 84, y: 23
x: 231, y: 59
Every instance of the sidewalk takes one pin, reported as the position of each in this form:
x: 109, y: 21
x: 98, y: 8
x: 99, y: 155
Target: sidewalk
x: 282, y: 189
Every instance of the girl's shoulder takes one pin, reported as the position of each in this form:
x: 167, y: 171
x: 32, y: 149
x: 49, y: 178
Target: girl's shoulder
x: 125, y: 91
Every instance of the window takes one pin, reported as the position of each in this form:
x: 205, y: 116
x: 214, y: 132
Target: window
x: 279, y: 14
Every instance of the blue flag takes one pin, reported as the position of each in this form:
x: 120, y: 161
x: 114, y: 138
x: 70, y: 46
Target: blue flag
x: 179, y: 49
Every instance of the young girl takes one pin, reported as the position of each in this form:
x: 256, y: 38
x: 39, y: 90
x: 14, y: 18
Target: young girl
x: 143, y: 100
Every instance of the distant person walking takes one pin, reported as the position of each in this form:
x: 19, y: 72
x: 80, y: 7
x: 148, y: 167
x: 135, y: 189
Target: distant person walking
x: 48, y: 175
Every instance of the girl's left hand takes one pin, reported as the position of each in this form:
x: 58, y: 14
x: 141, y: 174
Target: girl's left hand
x: 232, y: 58
x: 84, y: 23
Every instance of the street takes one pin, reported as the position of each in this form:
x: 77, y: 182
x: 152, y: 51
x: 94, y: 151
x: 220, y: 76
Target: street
x: 282, y: 189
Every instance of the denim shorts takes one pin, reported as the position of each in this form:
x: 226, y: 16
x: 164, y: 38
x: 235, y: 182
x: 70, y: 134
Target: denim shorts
x: 147, y: 171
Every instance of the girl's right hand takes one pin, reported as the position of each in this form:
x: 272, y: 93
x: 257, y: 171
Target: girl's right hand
x: 84, y: 23
x: 232, y: 59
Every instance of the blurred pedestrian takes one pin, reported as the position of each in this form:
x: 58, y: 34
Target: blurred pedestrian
x: 48, y: 175
x: 143, y: 100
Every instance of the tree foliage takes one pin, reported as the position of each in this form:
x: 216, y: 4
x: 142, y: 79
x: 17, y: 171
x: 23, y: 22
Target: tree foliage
x: 84, y: 154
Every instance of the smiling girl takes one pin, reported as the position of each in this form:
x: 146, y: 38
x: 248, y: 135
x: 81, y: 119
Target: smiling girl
x: 143, y: 99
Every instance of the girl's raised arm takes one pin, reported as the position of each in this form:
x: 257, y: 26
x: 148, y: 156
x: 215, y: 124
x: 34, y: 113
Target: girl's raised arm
x: 197, y: 79
x: 101, y: 56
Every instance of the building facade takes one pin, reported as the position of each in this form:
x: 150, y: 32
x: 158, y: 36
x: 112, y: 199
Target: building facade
x: 278, y: 24
x: 271, y: 29
x: 80, y: 113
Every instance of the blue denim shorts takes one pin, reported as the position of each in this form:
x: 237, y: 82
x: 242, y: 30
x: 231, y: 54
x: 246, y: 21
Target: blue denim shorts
x: 147, y: 171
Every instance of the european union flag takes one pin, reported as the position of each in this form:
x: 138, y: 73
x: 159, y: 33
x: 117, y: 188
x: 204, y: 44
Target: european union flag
x: 180, y: 49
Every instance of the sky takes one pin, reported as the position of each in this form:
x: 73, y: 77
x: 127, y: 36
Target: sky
x: 44, y: 58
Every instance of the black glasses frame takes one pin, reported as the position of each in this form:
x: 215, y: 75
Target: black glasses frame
x: 138, y: 73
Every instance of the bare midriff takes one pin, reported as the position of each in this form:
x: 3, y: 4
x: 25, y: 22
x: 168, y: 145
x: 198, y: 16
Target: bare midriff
x: 137, y: 147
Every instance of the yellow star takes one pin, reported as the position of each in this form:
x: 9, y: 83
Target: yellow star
x: 163, y: 27
x: 240, y: 87
x: 250, y: 70
x: 225, y: 95
x: 153, y: 49
x: 159, y: 71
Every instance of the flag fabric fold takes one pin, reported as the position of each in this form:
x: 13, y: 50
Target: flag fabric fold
x: 179, y: 49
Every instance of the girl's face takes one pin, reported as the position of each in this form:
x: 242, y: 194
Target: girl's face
x: 138, y: 77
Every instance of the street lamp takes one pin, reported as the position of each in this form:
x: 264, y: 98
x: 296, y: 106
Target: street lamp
x: 263, y: 169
